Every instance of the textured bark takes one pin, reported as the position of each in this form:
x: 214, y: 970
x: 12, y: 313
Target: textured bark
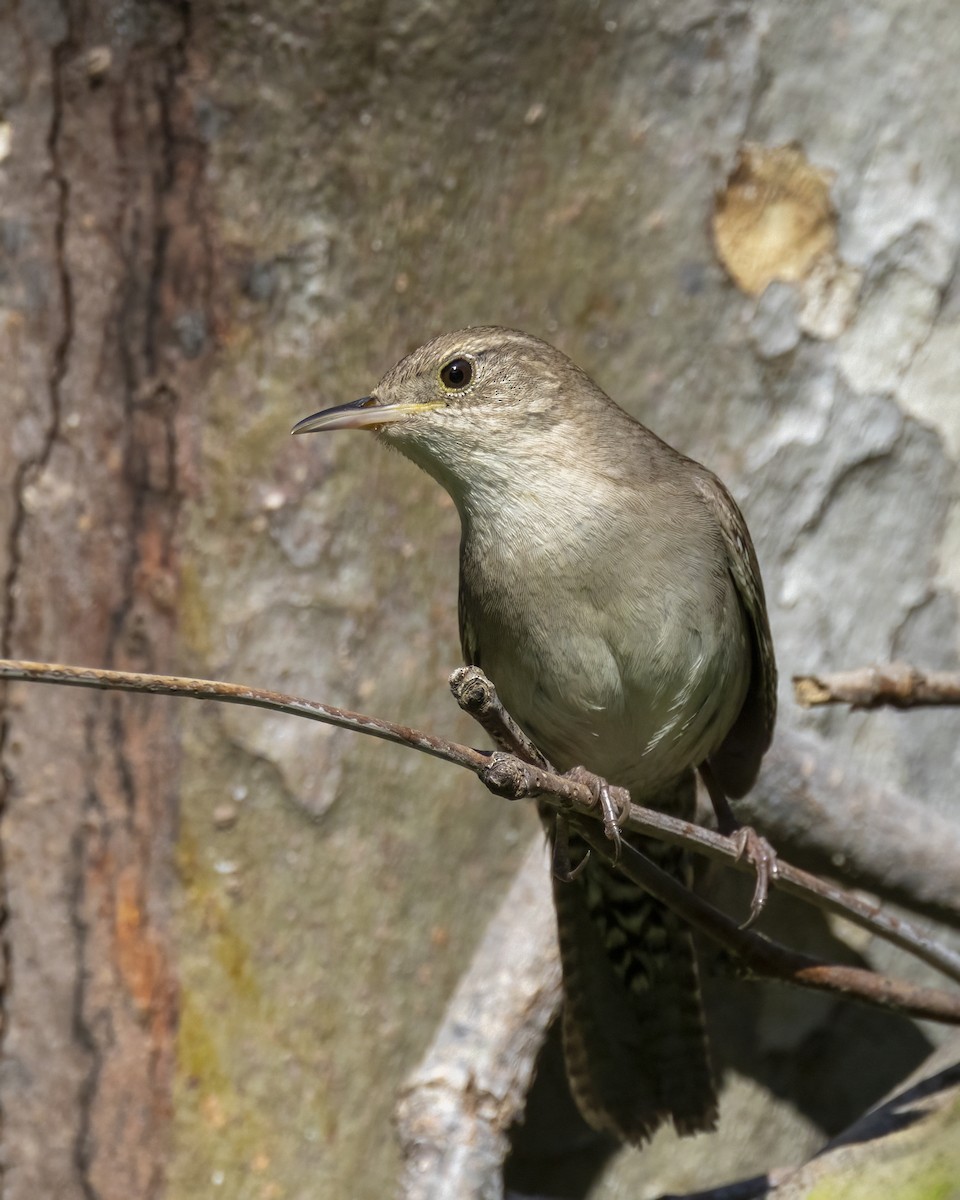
x: 105, y: 286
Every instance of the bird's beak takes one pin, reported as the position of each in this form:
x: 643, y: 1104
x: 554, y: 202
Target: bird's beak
x: 365, y: 413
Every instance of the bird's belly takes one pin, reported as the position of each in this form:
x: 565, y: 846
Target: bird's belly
x: 639, y: 729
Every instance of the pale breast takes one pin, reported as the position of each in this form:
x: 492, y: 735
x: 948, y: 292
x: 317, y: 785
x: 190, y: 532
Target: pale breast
x: 636, y: 680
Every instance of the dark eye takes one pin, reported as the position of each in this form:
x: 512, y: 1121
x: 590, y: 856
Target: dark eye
x: 457, y: 373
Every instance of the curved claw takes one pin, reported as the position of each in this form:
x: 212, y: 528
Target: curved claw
x: 562, y: 869
x: 603, y: 796
x: 757, y: 849
x: 763, y: 857
x: 611, y: 818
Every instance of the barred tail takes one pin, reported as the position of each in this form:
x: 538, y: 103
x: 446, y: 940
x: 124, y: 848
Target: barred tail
x: 633, y: 1026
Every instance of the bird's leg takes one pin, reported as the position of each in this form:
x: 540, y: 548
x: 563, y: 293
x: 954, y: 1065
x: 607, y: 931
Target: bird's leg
x: 562, y: 868
x: 603, y: 797
x: 611, y: 818
x: 749, y: 843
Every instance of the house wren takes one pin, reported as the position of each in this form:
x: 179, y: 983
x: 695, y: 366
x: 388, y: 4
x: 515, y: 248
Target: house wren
x: 610, y: 590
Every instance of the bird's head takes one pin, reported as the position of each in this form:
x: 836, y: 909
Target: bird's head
x: 466, y: 399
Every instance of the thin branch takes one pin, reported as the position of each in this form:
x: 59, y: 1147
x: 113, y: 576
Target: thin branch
x: 895, y: 686
x: 236, y: 693
x: 769, y: 959
x: 827, y: 816
x: 477, y: 696
x: 506, y: 775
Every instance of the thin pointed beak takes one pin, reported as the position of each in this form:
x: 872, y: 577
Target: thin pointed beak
x: 365, y: 413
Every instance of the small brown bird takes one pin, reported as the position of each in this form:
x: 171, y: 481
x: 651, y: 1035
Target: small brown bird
x: 610, y: 590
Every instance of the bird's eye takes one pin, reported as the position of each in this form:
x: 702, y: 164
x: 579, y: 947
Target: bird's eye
x: 456, y: 374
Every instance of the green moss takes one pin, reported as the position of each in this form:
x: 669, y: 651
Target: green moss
x: 198, y: 1059
x: 919, y: 1162
x: 908, y: 1180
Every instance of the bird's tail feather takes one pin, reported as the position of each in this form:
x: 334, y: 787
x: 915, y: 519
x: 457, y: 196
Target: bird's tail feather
x: 633, y: 1025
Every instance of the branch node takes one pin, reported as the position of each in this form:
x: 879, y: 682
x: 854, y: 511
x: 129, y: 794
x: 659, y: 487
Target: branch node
x: 505, y: 776
x: 478, y: 698
x: 472, y: 690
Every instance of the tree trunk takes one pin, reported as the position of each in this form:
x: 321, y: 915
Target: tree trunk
x: 105, y: 294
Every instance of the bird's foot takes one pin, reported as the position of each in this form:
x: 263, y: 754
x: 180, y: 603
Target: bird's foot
x: 757, y: 851
x: 603, y: 797
x: 562, y: 867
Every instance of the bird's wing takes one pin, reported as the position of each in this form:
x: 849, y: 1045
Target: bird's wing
x: 737, y: 760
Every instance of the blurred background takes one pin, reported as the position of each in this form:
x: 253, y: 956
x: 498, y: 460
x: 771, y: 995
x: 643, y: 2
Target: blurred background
x: 228, y: 935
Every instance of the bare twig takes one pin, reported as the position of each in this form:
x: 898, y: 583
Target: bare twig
x: 829, y: 817
x: 476, y: 695
x: 506, y: 775
x: 236, y: 693
x: 769, y: 959
x: 895, y: 686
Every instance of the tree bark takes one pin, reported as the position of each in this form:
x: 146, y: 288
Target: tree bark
x: 105, y: 298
